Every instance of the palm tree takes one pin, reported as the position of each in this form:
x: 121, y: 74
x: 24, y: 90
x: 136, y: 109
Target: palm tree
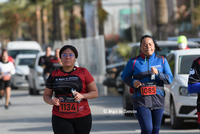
x: 161, y: 19
x: 102, y: 16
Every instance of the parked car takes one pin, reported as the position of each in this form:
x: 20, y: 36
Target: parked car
x: 194, y: 40
x: 179, y: 104
x: 113, y: 70
x: 114, y: 56
x: 22, y: 63
x: 35, y: 78
x: 167, y: 47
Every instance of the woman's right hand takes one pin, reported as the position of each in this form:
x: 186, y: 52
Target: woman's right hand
x: 56, y: 101
x: 137, y: 84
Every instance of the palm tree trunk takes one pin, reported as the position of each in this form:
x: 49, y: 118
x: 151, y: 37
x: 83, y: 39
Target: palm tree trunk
x: 55, y: 20
x: 62, y: 23
x: 72, y: 25
x: 83, y: 25
x: 38, y: 24
x: 45, y: 27
x: 161, y: 19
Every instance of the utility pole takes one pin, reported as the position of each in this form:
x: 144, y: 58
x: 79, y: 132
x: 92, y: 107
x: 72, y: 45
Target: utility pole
x: 132, y: 23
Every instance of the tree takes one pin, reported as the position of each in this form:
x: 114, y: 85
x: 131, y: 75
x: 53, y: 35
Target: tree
x: 161, y: 19
x: 102, y: 16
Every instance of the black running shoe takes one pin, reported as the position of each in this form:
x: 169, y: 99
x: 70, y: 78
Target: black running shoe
x: 6, y: 107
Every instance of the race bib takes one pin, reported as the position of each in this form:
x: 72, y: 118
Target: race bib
x: 148, y: 90
x: 68, y: 107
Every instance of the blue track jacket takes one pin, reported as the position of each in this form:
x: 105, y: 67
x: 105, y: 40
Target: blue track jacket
x: 139, y: 68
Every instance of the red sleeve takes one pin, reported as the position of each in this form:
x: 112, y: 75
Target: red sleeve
x: 88, y: 77
x: 10, y: 59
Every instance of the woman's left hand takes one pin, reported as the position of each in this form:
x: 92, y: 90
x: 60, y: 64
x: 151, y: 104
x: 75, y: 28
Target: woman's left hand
x: 78, y: 96
x: 154, y: 70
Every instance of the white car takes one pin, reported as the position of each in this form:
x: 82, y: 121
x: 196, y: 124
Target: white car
x: 22, y: 47
x: 179, y: 104
x: 22, y: 63
x: 35, y: 78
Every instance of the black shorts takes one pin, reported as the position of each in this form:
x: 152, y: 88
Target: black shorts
x: 4, y: 84
x: 72, y: 126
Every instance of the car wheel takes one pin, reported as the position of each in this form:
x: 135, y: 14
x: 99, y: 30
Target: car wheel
x: 30, y: 91
x: 163, y: 120
x: 128, y: 109
x: 33, y: 91
x: 175, y: 122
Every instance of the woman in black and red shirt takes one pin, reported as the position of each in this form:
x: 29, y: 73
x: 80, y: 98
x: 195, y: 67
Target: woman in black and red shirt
x: 72, y: 87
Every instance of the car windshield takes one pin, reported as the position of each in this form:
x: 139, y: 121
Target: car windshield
x: 14, y: 53
x: 167, y: 49
x: 185, y: 63
x: 27, y: 61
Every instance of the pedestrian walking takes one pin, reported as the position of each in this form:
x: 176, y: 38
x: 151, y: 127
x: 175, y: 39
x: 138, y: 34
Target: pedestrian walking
x: 72, y: 87
x: 45, y: 62
x: 146, y: 74
x: 7, y: 69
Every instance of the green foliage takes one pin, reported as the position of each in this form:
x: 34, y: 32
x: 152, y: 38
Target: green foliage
x: 19, y: 13
x: 124, y: 50
x: 102, y: 15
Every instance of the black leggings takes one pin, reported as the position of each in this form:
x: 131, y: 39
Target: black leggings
x: 72, y: 126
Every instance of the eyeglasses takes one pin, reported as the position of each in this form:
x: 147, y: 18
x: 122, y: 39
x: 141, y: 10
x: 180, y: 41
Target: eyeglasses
x: 66, y: 55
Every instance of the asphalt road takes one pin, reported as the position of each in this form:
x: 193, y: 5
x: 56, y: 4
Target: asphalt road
x: 31, y: 115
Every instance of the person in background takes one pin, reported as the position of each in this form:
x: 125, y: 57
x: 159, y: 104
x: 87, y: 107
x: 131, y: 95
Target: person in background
x: 6, y: 70
x: 182, y: 42
x: 194, y: 83
x: 73, y: 86
x: 45, y: 62
x: 146, y: 74
x: 9, y: 57
x: 56, y: 62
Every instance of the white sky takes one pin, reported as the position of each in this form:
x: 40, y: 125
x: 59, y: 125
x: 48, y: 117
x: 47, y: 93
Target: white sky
x: 1, y: 1
x: 118, y: 1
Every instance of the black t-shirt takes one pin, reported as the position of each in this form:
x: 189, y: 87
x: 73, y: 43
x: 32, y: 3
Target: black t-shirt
x: 44, y: 60
x: 194, y: 76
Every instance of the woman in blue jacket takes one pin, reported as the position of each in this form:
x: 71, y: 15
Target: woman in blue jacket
x: 146, y: 74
